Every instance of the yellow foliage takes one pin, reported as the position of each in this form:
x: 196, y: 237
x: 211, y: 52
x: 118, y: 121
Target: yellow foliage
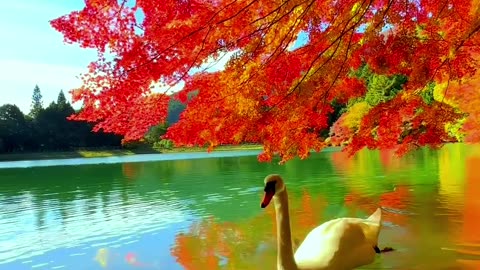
x: 279, y: 33
x: 355, y: 114
x: 421, y: 33
x: 250, y: 68
x: 357, y: 11
x: 245, y: 106
x: 298, y: 10
x: 440, y: 94
x: 455, y: 129
x: 475, y: 10
x: 355, y: 8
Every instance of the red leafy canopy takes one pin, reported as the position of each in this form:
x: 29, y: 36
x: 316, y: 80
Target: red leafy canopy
x: 271, y: 92
x: 404, y: 124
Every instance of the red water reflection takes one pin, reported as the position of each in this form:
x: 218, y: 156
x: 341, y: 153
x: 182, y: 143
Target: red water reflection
x: 471, y: 221
x: 433, y: 206
x: 396, y: 200
x: 470, y: 235
x: 245, y: 245
x: 131, y: 170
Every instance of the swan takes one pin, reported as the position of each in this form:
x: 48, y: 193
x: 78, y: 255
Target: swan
x: 338, y: 244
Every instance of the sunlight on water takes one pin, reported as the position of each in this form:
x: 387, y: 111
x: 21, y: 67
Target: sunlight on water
x: 205, y: 214
x: 122, y: 159
x: 38, y: 227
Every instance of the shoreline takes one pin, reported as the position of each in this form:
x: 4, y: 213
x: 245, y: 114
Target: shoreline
x: 117, y: 152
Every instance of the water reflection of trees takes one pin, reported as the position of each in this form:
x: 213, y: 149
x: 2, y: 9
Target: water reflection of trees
x: 469, y: 237
x: 58, y: 191
x: 249, y: 244
x: 373, y: 172
x: 64, y: 197
x: 228, y: 189
x: 65, y: 206
x: 425, y: 191
x: 459, y: 188
x: 51, y: 190
x: 438, y: 190
x: 396, y: 204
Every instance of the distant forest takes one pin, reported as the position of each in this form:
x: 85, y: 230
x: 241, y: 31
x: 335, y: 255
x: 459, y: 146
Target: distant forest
x: 47, y: 128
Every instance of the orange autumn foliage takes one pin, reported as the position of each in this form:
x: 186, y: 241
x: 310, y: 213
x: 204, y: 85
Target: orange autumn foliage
x: 270, y: 91
x: 466, y: 96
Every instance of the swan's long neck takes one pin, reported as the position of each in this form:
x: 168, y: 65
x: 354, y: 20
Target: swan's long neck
x: 285, y: 259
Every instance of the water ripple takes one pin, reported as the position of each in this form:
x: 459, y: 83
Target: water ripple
x: 53, y: 225
x: 171, y: 214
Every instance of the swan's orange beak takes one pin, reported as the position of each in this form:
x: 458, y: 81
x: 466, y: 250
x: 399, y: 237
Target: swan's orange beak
x: 267, y: 198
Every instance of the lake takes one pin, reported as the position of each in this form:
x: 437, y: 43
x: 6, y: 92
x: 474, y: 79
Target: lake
x: 204, y: 212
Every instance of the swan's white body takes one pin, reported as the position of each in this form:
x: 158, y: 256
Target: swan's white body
x: 342, y: 243
x: 339, y: 244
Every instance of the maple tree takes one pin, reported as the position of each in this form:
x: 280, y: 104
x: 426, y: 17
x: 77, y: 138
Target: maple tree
x: 272, y: 90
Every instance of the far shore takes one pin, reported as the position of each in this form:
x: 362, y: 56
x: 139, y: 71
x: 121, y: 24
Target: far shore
x: 117, y: 152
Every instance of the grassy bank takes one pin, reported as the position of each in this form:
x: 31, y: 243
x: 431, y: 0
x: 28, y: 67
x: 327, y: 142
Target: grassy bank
x: 116, y: 152
x: 219, y: 148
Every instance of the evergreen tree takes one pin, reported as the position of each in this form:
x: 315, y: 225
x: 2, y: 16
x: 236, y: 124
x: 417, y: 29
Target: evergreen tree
x: 37, y: 103
x: 12, y: 128
x: 61, y: 100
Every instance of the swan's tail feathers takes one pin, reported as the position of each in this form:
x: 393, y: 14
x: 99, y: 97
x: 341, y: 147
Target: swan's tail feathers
x: 376, y: 217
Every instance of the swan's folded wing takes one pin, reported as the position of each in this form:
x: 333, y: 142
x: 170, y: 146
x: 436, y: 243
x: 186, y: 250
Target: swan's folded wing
x: 319, y: 247
x: 337, y: 244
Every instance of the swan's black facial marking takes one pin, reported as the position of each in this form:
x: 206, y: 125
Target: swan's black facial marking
x: 377, y: 250
x: 269, y: 192
x: 270, y: 186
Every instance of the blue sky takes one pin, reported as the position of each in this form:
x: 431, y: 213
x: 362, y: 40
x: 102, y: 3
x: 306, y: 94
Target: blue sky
x: 31, y: 52
x: 34, y: 53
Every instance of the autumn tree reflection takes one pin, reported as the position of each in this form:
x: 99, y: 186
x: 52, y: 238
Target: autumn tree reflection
x: 368, y: 191
x: 250, y: 244
x: 131, y: 170
x: 469, y: 241
x: 396, y: 203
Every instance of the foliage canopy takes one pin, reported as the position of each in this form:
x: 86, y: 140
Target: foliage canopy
x: 385, y: 53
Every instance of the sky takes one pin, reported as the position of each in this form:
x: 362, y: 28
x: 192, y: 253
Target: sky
x: 35, y: 54
x: 32, y: 52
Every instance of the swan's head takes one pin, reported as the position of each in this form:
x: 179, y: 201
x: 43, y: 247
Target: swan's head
x: 273, y: 185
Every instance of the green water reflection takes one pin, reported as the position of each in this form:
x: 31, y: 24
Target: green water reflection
x: 205, y: 214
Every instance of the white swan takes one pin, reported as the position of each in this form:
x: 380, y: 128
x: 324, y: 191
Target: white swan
x: 338, y: 244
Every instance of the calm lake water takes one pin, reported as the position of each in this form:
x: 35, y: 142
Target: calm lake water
x: 205, y: 213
